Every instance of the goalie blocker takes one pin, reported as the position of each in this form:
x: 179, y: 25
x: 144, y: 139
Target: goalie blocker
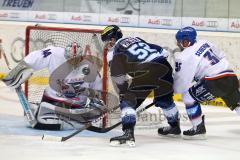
x: 18, y: 75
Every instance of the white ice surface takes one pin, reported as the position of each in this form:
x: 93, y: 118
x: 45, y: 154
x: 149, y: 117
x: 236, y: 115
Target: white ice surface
x: 17, y: 142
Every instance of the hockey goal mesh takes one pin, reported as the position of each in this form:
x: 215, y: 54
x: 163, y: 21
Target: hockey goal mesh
x: 38, y: 37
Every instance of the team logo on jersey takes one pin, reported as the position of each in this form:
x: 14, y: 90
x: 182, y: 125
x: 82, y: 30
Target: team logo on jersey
x: 46, y: 53
x: 200, y: 90
x: 178, y: 66
x: 143, y: 78
x: 192, y: 111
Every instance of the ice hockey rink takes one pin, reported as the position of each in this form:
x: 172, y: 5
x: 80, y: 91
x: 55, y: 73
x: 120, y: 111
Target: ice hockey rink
x: 18, y: 142
x: 155, y: 21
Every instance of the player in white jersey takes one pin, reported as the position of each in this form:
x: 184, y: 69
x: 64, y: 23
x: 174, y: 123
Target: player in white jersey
x: 74, y: 83
x: 202, y: 74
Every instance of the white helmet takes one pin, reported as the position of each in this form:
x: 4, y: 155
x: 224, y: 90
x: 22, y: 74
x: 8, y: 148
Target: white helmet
x: 73, y: 50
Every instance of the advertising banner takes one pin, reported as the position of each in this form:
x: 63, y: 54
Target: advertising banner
x: 134, y: 13
x: 214, y: 24
x: 160, y: 22
x: 41, y: 16
x: 17, y: 4
x: 119, y: 19
x: 234, y: 24
x: 81, y: 18
x: 14, y: 15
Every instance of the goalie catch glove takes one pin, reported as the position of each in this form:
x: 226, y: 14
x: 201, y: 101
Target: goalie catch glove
x: 92, y: 110
x: 98, y: 103
x: 18, y: 75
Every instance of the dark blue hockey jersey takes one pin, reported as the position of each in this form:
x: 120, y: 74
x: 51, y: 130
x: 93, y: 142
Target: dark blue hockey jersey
x: 135, y: 57
x: 137, y: 50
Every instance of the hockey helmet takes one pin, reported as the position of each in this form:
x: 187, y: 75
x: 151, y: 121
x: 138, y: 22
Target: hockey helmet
x: 187, y: 33
x: 111, y: 31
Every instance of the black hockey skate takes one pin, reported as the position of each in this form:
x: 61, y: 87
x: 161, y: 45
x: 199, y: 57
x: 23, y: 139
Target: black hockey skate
x: 173, y: 130
x: 126, y: 138
x: 196, y: 133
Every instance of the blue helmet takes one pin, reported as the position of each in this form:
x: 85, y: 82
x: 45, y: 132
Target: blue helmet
x: 187, y: 33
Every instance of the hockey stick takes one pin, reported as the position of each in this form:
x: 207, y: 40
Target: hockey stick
x: 104, y: 130
x: 86, y: 126
x: 62, y: 139
x: 25, y: 105
x: 89, y: 127
x: 22, y: 98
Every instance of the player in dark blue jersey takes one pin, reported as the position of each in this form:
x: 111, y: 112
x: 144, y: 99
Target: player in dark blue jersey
x: 137, y: 68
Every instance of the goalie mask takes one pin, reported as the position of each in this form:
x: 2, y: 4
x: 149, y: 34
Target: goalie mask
x: 73, y: 53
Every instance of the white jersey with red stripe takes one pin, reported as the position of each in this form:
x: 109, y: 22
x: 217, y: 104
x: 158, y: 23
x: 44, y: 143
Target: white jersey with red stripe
x: 201, y: 60
x: 52, y: 58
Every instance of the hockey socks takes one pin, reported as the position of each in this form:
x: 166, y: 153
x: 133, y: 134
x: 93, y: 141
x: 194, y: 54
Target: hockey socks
x: 198, y: 131
x: 172, y: 115
x: 128, y: 121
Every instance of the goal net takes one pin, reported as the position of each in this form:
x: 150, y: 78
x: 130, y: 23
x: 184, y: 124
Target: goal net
x: 39, y: 37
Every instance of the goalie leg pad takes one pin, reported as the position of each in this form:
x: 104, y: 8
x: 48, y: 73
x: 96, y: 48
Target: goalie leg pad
x: 49, y: 120
x: 18, y: 75
x: 46, y: 114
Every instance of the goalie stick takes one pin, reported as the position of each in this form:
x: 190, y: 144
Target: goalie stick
x: 22, y: 98
x: 62, y: 139
x: 86, y: 126
x: 25, y: 105
x: 104, y: 130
